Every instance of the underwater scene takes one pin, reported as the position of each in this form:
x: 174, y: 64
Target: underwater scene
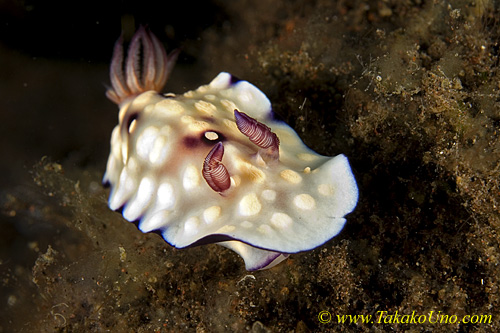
x: 344, y: 154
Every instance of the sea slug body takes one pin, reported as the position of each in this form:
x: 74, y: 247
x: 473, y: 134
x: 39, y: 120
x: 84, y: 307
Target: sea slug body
x: 214, y: 165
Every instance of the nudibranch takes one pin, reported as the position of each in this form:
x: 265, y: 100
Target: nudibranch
x: 214, y: 165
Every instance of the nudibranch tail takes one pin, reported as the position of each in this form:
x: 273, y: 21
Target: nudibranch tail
x: 258, y: 133
x: 255, y: 259
x: 135, y: 79
x: 214, y: 172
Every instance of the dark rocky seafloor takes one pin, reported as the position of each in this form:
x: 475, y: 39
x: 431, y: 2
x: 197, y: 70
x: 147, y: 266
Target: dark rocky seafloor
x: 408, y: 90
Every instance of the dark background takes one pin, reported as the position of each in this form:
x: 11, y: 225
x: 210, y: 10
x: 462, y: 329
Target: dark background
x: 407, y: 90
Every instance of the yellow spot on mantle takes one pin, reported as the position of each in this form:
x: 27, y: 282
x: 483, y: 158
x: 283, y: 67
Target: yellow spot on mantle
x: 291, y: 176
x: 169, y: 107
x: 250, y: 172
x: 250, y: 205
x: 281, y: 220
x: 191, y: 178
x: 195, y: 125
x: 307, y: 157
x: 205, y: 107
x: 304, y: 201
x: 211, y: 214
x: 326, y: 189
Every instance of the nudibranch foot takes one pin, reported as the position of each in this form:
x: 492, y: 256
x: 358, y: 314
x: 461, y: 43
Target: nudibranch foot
x: 134, y: 79
x: 213, y: 165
